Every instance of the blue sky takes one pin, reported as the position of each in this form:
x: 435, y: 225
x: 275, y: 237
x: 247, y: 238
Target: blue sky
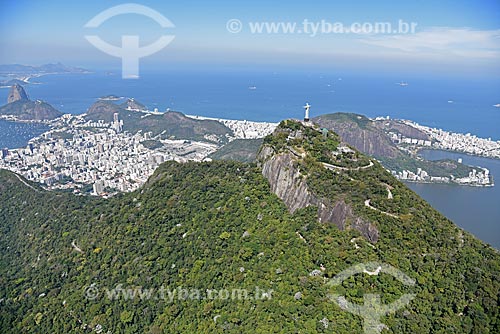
x: 451, y: 36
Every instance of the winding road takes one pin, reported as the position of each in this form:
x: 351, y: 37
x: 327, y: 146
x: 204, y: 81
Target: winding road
x: 367, y: 204
x: 26, y: 183
x: 333, y: 167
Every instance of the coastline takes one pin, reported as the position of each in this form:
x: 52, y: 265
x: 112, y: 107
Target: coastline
x: 26, y: 78
x: 424, y: 150
x: 14, y: 119
x: 431, y: 148
x: 472, y: 208
x: 456, y: 142
x: 489, y: 185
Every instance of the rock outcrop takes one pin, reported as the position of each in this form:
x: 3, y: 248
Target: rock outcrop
x: 369, y: 136
x: 17, y: 93
x: 287, y: 182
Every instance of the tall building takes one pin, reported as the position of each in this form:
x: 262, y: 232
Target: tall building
x: 117, y: 124
x: 98, y: 187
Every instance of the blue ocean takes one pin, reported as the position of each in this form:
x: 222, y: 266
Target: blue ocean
x: 461, y: 105
x: 15, y: 135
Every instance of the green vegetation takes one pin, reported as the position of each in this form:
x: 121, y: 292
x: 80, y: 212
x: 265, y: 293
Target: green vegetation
x: 304, y: 139
x: 62, y: 135
x: 217, y: 226
x: 152, y: 144
x: 244, y: 150
x: 434, y: 168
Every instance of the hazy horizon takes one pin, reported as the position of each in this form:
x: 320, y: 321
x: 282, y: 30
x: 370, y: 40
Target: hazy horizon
x: 451, y: 38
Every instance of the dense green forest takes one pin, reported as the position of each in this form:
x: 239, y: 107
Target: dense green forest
x: 216, y: 225
x: 244, y: 150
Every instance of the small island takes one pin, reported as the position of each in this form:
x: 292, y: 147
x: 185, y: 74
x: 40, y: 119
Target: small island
x: 110, y: 97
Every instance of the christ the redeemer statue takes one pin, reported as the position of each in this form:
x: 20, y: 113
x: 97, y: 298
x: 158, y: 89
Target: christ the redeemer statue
x: 307, y: 107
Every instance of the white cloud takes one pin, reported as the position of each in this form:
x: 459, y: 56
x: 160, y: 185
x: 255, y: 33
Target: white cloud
x: 462, y: 42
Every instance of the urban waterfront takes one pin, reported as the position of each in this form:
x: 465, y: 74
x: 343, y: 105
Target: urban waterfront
x: 475, y: 209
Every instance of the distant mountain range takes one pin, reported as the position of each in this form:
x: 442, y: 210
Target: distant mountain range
x: 21, y: 74
x: 133, y: 113
x: 42, y: 69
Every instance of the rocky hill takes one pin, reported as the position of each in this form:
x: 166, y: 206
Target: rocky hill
x: 19, y: 106
x: 397, y: 126
x: 284, y: 166
x: 143, y: 262
x: 103, y: 110
x: 371, y: 138
x: 17, y: 93
x: 169, y: 124
x: 360, y: 132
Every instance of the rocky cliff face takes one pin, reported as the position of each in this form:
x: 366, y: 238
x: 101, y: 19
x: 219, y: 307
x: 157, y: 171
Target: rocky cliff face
x: 17, y: 93
x: 369, y: 136
x: 360, y: 133
x: 286, y: 181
